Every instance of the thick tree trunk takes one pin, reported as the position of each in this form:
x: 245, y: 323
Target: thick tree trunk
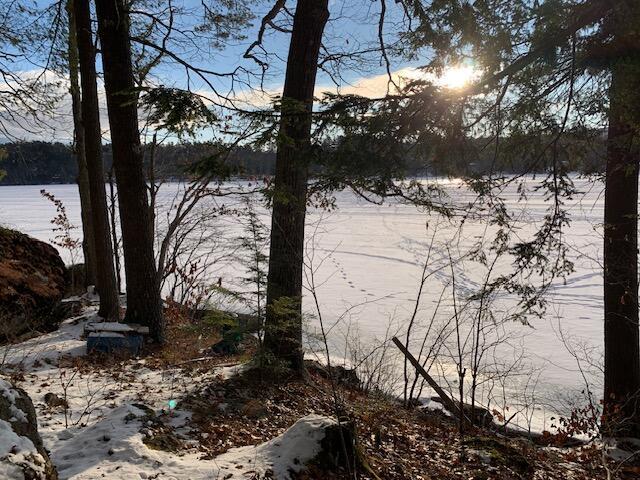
x: 88, y: 241
x: 105, y: 273
x: 621, y: 340
x: 143, y: 296
x: 283, y: 330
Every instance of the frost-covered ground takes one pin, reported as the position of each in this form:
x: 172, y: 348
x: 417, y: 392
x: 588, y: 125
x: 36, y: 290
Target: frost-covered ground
x: 372, y: 258
x: 100, y: 434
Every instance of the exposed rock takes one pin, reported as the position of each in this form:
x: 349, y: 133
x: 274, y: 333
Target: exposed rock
x: 347, y: 377
x: 166, y: 441
x: 22, y: 454
x: 338, y: 447
x: 292, y: 451
x: 254, y: 409
x: 54, y: 401
x: 33, y: 279
x: 479, y: 415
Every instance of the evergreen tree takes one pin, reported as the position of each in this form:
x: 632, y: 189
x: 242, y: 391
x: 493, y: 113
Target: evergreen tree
x: 283, y: 328
x: 544, y: 70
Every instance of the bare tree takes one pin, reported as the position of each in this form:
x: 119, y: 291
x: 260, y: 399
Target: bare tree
x: 88, y: 241
x: 144, y: 305
x: 90, y: 117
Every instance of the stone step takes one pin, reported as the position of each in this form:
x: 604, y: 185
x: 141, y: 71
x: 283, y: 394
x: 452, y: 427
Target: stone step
x: 116, y: 327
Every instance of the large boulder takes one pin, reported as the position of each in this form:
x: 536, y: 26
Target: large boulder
x: 22, y: 454
x: 33, y: 279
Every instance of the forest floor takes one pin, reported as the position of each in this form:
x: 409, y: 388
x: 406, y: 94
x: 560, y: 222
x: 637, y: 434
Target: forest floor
x: 175, y: 413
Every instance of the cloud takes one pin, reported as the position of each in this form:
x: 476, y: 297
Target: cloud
x: 54, y: 123
x: 372, y: 87
x: 57, y: 124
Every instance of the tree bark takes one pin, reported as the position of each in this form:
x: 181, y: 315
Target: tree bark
x: 113, y: 201
x: 143, y: 295
x: 621, y: 339
x: 88, y: 241
x: 283, y: 327
x: 105, y: 273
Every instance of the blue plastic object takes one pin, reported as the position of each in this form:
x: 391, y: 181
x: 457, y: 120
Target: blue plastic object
x: 114, y: 343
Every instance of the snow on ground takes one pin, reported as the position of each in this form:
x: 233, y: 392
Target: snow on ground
x: 101, y: 433
x: 113, y: 448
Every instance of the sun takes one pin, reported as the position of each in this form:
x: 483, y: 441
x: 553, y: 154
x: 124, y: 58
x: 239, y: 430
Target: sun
x: 457, y: 77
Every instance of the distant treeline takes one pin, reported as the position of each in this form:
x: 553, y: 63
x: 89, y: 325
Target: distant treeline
x: 35, y: 163
x: 32, y: 163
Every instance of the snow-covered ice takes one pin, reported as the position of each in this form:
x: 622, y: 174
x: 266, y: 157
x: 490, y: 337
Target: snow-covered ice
x: 374, y: 256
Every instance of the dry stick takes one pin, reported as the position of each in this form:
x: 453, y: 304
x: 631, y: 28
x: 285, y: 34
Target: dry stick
x: 448, y: 403
x: 461, y: 371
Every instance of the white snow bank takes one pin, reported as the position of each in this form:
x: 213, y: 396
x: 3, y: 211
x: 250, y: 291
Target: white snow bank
x: 16, y: 453
x: 287, y: 452
x: 113, y: 448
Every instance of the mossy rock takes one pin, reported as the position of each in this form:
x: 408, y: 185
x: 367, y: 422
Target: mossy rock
x: 501, y: 454
x: 165, y: 441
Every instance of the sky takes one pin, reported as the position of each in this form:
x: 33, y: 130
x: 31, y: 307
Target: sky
x: 352, y: 26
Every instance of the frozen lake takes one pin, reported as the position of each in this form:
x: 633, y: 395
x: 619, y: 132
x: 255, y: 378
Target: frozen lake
x: 371, y: 259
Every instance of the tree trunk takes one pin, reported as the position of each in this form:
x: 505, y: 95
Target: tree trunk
x: 283, y: 327
x: 143, y: 295
x: 105, y: 274
x: 88, y: 241
x: 622, y: 347
x: 114, y: 231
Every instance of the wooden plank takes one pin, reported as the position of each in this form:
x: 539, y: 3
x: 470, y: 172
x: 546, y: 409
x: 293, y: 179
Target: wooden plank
x: 447, y: 402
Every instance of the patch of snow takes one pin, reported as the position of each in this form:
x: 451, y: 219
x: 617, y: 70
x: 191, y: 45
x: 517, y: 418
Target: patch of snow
x: 108, y: 327
x: 619, y: 449
x: 10, y: 394
x: 231, y: 371
x: 483, y: 456
x: 429, y: 404
x: 287, y: 452
x: 72, y: 299
x: 86, y: 455
x: 17, y: 452
x: 48, y: 348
